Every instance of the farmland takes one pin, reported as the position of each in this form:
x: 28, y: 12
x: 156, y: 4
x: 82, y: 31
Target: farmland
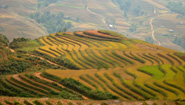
x: 91, y: 65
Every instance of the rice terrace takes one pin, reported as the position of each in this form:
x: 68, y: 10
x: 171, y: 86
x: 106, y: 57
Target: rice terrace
x: 88, y: 68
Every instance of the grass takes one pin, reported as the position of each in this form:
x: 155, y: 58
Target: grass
x: 153, y: 71
x: 28, y: 46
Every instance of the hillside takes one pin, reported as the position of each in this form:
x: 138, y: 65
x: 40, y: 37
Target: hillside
x: 155, y: 21
x: 91, y: 65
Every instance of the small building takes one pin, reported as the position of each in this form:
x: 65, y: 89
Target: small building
x: 170, y: 30
x: 111, y: 26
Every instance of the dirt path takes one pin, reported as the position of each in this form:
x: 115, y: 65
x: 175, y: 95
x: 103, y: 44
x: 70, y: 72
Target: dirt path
x: 152, y: 28
x: 103, y: 18
x: 13, y: 51
x: 44, y: 59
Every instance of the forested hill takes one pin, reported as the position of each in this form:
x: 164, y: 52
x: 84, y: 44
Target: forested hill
x: 89, y: 65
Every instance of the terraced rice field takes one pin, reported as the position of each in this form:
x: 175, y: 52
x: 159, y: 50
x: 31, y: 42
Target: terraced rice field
x: 119, y: 67
x: 82, y: 50
x: 54, y: 101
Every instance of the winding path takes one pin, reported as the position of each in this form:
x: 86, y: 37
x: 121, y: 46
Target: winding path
x: 44, y: 59
x: 103, y: 18
x: 152, y: 28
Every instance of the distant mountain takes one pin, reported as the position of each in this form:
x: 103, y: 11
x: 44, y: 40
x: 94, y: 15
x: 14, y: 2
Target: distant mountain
x: 159, y: 22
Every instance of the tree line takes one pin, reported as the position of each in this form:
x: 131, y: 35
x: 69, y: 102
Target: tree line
x: 52, y: 22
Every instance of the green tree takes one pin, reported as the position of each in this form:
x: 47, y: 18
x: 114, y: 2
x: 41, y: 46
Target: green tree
x: 132, y: 28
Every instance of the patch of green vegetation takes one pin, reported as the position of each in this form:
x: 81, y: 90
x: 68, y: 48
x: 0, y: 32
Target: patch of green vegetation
x: 138, y: 41
x: 181, y: 103
x: 177, y: 7
x: 133, y: 28
x: 144, y: 103
x: 127, y: 42
x: 45, y: 3
x: 59, y: 103
x: 80, y: 88
x: 25, y: 45
x: 27, y: 102
x: 70, y: 103
x: 8, y: 102
x: 153, y: 71
x: 111, y: 33
x: 149, y: 39
x: 37, y: 102
x: 62, y: 60
x: 181, y: 55
x: 70, y: 6
x: 53, y: 22
x: 13, y: 66
x: 3, y: 40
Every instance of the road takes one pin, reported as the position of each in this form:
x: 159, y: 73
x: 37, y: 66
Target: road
x: 152, y: 28
x: 103, y: 18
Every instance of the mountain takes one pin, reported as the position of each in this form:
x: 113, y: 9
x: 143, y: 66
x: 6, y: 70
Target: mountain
x: 159, y: 22
x: 91, y: 65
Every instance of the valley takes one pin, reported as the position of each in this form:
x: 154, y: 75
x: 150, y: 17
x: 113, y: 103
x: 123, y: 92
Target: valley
x: 132, y: 21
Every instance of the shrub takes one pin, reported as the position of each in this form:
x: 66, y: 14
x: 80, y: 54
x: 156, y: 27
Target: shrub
x: 37, y: 102
x: 8, y: 102
x: 48, y: 103
x: 165, y: 103
x: 144, y: 103
x: 27, y: 102
x: 1, y: 103
x: 59, y: 103
x: 70, y: 103
x: 79, y: 103
x: 155, y: 104
x: 104, y: 103
x: 17, y: 103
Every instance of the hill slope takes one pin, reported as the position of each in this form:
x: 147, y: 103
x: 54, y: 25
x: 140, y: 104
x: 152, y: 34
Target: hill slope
x: 92, y: 64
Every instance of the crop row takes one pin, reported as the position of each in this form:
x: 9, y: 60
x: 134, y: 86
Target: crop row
x: 36, y: 102
x: 80, y: 88
x: 31, y: 86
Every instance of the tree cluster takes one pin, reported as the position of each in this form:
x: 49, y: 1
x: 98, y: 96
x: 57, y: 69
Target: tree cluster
x: 177, y: 7
x: 53, y: 22
x: 45, y: 3
x: 3, y: 40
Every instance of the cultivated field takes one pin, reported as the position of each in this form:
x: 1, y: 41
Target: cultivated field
x: 108, y: 66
